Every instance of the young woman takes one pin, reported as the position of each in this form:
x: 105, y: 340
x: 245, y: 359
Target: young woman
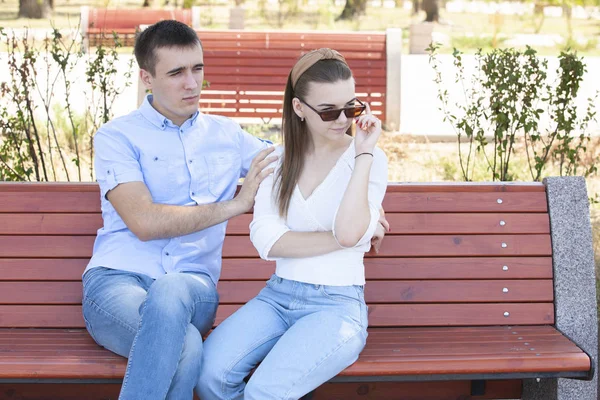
x: 316, y: 216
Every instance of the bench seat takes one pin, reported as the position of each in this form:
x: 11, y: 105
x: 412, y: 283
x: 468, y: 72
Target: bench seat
x: 439, y: 353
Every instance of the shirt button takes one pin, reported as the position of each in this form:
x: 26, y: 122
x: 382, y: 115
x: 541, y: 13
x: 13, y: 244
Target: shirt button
x: 193, y: 194
x: 166, y: 253
x: 191, y: 161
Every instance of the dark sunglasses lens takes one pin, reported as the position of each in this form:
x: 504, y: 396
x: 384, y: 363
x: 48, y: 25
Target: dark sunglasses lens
x: 331, y: 115
x: 354, y: 111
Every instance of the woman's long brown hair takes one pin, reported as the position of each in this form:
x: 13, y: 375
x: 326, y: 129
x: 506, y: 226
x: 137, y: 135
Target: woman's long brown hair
x: 295, y: 135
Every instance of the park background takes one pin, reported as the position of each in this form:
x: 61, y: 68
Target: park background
x: 72, y: 83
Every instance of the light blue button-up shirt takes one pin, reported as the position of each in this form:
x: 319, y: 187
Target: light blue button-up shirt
x: 197, y: 163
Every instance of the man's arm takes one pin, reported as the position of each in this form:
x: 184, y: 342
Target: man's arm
x: 149, y: 220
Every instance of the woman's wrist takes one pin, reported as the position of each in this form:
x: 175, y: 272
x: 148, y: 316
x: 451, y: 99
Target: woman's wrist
x: 364, y: 149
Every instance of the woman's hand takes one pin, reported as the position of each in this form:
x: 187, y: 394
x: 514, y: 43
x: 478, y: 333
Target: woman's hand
x: 378, y: 236
x: 368, y: 130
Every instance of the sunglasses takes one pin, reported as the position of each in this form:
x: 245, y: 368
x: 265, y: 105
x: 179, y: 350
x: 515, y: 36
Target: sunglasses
x: 332, y: 115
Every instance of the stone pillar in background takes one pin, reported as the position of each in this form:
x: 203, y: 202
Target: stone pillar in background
x: 420, y: 37
x: 393, y: 45
x: 236, y: 18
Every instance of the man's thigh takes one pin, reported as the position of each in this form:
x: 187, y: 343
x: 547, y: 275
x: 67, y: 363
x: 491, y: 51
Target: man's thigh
x: 111, y: 306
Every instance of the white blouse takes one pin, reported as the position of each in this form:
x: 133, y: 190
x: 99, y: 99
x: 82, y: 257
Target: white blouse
x: 317, y: 213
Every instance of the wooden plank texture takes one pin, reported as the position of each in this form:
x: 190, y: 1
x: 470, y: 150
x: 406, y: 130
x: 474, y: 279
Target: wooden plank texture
x: 464, y: 268
x: 376, y: 292
x: 73, y: 353
x: 380, y: 315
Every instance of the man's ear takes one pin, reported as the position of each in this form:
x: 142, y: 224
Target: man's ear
x: 298, y: 108
x: 146, y: 78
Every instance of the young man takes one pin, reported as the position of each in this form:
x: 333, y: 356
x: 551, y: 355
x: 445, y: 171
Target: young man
x: 167, y: 176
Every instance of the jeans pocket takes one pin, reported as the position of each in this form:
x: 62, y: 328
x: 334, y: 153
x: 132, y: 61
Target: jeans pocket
x: 346, y: 294
x: 272, y: 281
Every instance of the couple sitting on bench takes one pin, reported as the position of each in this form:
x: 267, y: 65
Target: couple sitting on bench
x: 168, y: 177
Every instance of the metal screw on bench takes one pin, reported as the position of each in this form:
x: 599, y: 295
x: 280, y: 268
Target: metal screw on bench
x: 506, y: 313
x: 504, y: 245
x: 505, y: 290
x: 502, y: 223
x: 499, y: 201
x: 505, y: 268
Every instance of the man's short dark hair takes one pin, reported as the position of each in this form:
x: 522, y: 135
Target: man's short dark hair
x: 167, y: 33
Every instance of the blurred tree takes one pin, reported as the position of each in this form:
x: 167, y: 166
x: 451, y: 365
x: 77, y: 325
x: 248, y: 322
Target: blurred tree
x: 432, y: 10
x: 352, y: 9
x: 35, y: 8
x: 416, y: 4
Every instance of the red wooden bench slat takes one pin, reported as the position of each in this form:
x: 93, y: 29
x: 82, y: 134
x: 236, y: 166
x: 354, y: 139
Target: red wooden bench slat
x: 283, y: 36
x: 434, y: 187
x: 88, y: 224
x: 235, y: 292
x: 240, y: 246
x: 380, y: 315
x: 421, y: 223
x: 61, y: 269
x: 360, y: 74
x: 430, y: 246
x: 393, y: 315
x: 286, y: 54
x: 357, y: 65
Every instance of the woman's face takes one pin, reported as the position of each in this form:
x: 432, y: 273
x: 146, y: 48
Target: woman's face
x: 323, y: 97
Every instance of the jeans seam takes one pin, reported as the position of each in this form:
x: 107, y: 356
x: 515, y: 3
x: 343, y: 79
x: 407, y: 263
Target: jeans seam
x: 318, y: 364
x: 252, y: 347
x: 126, y: 377
x: 109, y: 315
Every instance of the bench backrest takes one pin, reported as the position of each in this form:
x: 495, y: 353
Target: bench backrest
x: 247, y: 71
x: 458, y: 255
x: 103, y: 19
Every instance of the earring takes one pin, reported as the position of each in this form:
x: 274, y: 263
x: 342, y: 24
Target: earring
x: 302, y: 119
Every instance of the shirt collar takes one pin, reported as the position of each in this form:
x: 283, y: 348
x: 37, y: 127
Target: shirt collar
x: 159, y: 120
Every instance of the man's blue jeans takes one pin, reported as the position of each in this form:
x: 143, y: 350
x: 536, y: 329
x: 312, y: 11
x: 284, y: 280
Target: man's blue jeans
x: 302, y: 334
x: 157, y: 324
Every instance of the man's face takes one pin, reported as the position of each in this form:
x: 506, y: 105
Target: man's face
x: 177, y: 81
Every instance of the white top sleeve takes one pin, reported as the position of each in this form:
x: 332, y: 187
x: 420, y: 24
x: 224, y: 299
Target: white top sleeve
x: 267, y: 226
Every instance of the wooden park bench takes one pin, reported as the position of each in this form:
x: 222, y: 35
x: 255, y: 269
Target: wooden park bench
x: 478, y: 290
x: 98, y: 25
x: 247, y: 71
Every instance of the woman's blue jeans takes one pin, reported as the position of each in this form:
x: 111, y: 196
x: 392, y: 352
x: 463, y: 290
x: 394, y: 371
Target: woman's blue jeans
x: 301, y: 334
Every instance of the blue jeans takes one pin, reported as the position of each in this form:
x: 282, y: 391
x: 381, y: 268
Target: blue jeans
x: 301, y: 334
x: 157, y: 324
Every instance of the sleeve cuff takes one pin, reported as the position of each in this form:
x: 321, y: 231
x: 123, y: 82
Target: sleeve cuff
x: 265, y: 235
x: 112, y: 179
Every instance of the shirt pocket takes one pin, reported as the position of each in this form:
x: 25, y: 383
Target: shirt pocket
x: 223, y: 173
x: 160, y: 176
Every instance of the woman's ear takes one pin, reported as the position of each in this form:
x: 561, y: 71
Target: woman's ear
x: 298, y: 108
